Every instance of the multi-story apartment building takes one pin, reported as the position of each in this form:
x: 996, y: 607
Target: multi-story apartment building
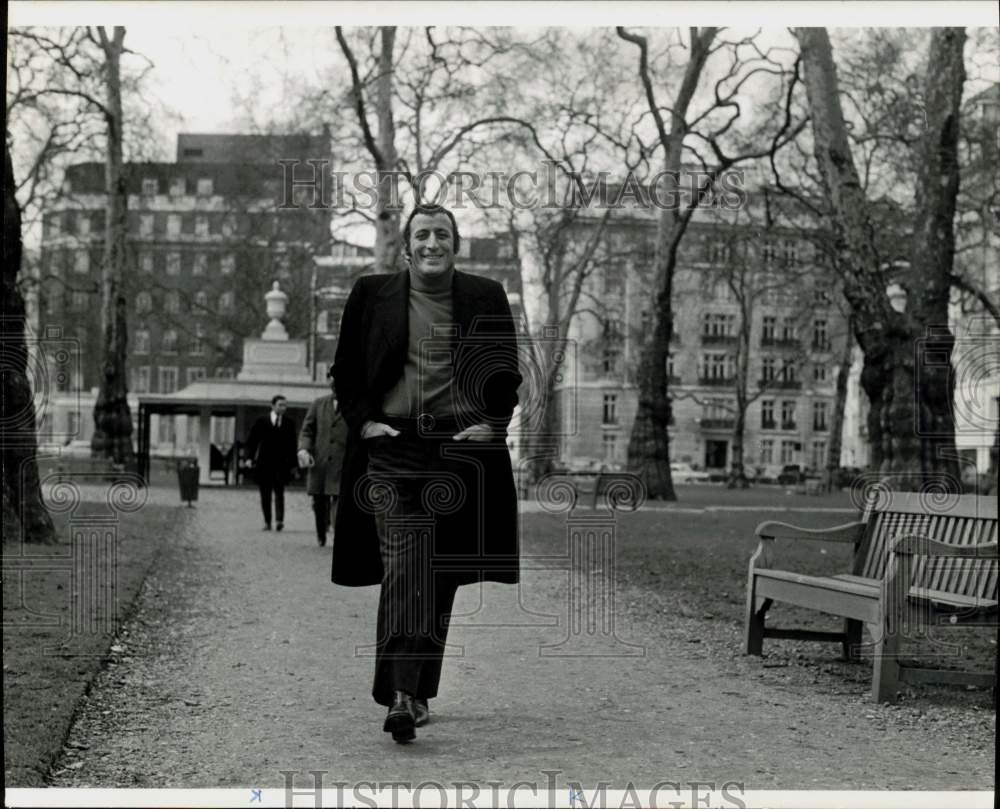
x: 749, y: 302
x: 207, y: 235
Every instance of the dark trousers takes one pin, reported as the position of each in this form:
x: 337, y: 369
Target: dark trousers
x: 323, y: 505
x: 267, y: 487
x: 415, y: 601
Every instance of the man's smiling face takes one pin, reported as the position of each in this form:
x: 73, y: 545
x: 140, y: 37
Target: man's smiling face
x: 432, y: 244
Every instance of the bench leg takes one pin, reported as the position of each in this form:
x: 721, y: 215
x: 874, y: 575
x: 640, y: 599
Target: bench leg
x: 755, y: 625
x: 852, y: 638
x: 885, y: 676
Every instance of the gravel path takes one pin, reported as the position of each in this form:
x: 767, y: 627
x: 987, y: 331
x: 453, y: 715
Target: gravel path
x: 243, y: 660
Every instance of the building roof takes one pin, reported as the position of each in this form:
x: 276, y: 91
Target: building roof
x: 231, y: 393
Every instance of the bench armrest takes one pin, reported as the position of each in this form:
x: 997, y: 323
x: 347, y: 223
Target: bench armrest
x: 849, y: 532
x: 920, y: 545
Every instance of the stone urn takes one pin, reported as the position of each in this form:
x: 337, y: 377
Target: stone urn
x: 277, y: 302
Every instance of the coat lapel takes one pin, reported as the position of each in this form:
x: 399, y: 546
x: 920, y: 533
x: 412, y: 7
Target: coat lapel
x: 391, y: 315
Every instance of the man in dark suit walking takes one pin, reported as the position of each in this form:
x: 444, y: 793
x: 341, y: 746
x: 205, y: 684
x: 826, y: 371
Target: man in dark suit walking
x: 321, y: 451
x: 427, y: 378
x: 271, y: 453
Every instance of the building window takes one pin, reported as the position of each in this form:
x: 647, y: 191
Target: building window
x: 195, y: 373
x: 819, y: 416
x: 789, y: 372
x: 718, y: 252
x: 53, y: 224
x: 819, y: 373
x: 173, y: 263
x: 168, y: 384
x: 767, y: 414
x: 225, y: 339
x: 646, y: 322
x: 787, y: 451
x: 716, y: 366
x: 169, y: 343
x: 146, y: 224
x: 205, y: 187
x: 174, y: 224
x: 610, y: 409
x: 228, y: 264
x: 768, y: 253
x: 609, y: 446
x: 767, y: 372
x: 224, y: 373
x: 671, y: 367
x: 178, y: 187
x: 199, y: 264
x: 821, y: 341
x: 141, y: 341
x: 818, y: 460
x: 150, y: 186
x: 821, y: 295
x: 201, y: 226
x: 228, y: 226
x: 198, y: 341
x: 140, y: 379
x: 788, y: 415
x: 83, y: 223
x: 143, y: 302
x: 790, y: 253
x: 714, y: 324
x: 226, y: 302
x: 79, y: 301
x: 767, y: 451
x: 788, y: 329
x: 81, y: 261
x: 200, y: 301
x: 172, y: 302
x: 609, y: 361
x: 146, y: 262
x: 769, y: 326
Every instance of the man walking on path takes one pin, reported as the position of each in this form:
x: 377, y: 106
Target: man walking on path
x: 271, y: 453
x: 321, y: 451
x: 427, y: 379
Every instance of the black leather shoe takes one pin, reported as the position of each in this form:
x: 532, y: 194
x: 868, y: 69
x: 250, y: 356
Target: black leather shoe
x: 399, y: 721
x: 321, y: 541
x: 279, y: 526
x: 421, y: 713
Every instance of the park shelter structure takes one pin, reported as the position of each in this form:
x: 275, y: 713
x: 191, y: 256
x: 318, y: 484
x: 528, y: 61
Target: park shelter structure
x: 272, y: 365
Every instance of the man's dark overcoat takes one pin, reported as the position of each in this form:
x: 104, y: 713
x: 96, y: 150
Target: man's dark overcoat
x: 323, y: 435
x: 371, y: 353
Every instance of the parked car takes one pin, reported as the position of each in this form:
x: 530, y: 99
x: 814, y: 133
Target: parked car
x: 685, y: 473
x: 791, y: 474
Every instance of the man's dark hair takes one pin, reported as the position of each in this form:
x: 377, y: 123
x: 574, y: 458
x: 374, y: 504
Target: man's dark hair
x: 430, y: 210
x: 278, y: 398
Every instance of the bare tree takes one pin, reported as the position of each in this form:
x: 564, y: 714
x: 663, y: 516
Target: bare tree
x: 911, y: 424
x: 649, y: 451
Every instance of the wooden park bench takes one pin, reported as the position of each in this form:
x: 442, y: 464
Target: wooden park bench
x: 920, y: 560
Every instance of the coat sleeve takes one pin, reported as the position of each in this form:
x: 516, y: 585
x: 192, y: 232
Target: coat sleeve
x: 350, y: 373
x: 503, y: 383
x: 253, y: 441
x: 307, y: 435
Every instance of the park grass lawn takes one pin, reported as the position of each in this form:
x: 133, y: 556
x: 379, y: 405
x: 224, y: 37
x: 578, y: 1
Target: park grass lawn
x: 47, y: 668
x: 674, y: 565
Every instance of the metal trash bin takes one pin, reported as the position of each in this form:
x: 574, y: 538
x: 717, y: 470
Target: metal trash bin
x: 187, y: 478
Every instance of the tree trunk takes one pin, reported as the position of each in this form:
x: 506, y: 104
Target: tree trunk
x: 387, y: 235
x: 899, y: 419
x: 737, y: 472
x: 933, y: 253
x: 25, y: 518
x: 839, y: 408
x: 112, y: 420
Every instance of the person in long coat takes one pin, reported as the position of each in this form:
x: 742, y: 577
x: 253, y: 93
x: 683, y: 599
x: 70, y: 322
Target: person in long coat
x: 321, y: 451
x: 426, y: 374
